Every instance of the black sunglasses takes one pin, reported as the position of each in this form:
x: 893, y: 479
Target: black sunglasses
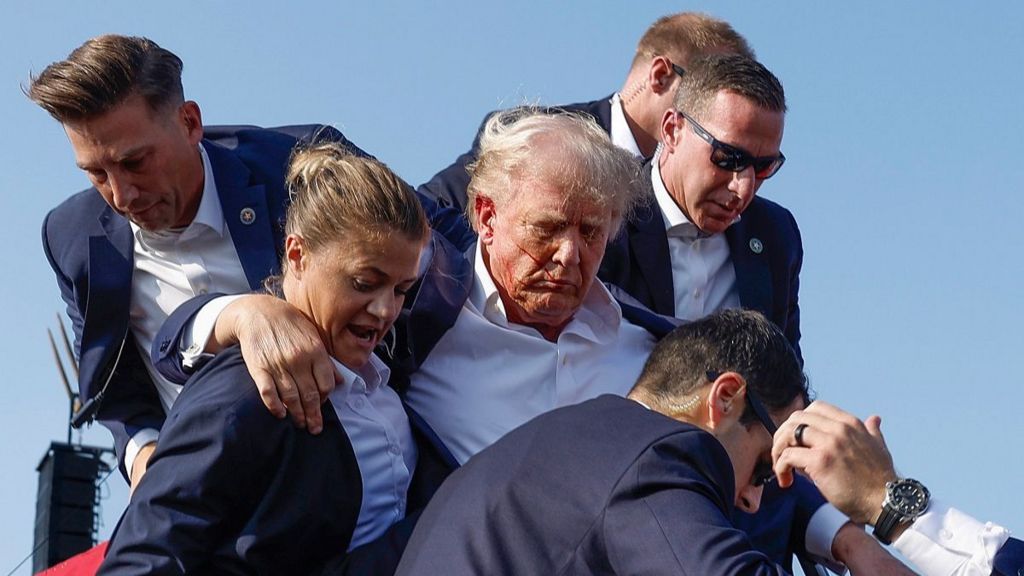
x: 733, y: 159
x: 763, y: 472
x: 677, y: 69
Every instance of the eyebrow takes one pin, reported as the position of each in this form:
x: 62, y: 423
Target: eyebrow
x: 128, y: 155
x: 384, y: 275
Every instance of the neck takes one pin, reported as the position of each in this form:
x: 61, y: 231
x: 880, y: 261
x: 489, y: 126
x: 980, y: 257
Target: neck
x: 633, y: 107
x: 195, y: 179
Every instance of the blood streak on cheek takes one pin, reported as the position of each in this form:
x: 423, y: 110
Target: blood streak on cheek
x: 537, y: 261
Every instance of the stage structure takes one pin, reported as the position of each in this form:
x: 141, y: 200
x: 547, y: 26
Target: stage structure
x: 70, y: 476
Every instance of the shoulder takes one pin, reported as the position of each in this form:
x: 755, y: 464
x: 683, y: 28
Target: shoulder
x: 771, y: 220
x: 222, y: 388
x: 763, y: 210
x: 253, y: 142
x: 81, y: 207
x: 69, y: 222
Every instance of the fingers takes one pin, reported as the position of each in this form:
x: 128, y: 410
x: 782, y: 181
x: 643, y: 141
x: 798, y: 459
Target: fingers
x: 268, y: 391
x: 309, y: 396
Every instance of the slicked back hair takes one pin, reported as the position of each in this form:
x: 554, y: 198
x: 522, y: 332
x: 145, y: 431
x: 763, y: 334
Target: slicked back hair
x: 104, y: 72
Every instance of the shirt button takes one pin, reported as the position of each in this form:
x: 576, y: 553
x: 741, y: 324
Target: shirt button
x: 945, y: 534
x: 202, y: 291
x: 696, y: 293
x: 395, y: 449
x: 358, y: 402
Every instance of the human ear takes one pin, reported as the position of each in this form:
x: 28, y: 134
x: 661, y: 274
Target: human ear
x: 671, y: 129
x: 725, y: 399
x: 660, y: 75
x: 483, y: 207
x: 192, y: 120
x: 295, y: 255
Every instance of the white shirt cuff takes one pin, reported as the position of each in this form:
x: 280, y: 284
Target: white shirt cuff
x: 821, y: 531
x: 944, y: 540
x: 136, y: 443
x: 199, y: 329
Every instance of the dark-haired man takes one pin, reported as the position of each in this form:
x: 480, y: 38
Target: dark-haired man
x: 175, y: 211
x: 704, y: 241
x: 570, y: 493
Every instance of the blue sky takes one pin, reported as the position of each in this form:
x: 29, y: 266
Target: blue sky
x: 903, y: 140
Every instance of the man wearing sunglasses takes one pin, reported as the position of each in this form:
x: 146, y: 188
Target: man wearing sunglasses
x: 705, y: 241
x: 568, y: 493
x: 631, y: 116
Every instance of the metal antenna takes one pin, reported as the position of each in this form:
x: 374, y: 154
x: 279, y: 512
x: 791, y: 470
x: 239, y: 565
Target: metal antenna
x: 73, y: 402
x: 67, y: 346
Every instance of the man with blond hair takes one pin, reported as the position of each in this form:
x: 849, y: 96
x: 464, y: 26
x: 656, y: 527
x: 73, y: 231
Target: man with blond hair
x: 631, y: 116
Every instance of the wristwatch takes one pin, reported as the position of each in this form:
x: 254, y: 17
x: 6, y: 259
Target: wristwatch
x: 905, y: 500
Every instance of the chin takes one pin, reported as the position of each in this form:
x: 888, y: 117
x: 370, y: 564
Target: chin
x: 352, y: 359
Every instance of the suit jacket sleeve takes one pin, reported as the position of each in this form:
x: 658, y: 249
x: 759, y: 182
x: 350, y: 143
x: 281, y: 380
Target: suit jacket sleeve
x: 166, y: 352
x: 670, y: 517
x: 1009, y: 561
x: 191, y: 493
x: 131, y: 402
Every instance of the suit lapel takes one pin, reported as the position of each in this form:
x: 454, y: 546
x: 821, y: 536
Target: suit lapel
x: 111, y: 261
x: 753, y: 272
x: 246, y: 214
x: 648, y: 244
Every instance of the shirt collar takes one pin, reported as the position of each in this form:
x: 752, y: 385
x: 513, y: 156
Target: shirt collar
x: 597, y: 319
x: 365, y: 380
x: 677, y: 224
x: 621, y: 135
x: 210, y: 213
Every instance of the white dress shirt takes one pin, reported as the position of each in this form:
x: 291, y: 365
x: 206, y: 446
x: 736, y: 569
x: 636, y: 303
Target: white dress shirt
x: 945, y: 541
x: 170, y: 268
x: 703, y: 277
x: 378, y: 428
x: 487, y: 376
x: 620, y: 132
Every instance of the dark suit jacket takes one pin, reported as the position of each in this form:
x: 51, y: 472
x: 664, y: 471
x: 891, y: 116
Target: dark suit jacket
x: 89, y: 247
x: 1009, y: 561
x: 569, y: 493
x: 432, y: 309
x: 231, y: 489
x: 764, y: 246
x: 448, y: 187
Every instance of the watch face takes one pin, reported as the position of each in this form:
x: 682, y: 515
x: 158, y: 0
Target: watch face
x: 909, y: 497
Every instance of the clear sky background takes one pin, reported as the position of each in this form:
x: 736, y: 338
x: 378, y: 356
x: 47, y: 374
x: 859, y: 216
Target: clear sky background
x: 905, y: 173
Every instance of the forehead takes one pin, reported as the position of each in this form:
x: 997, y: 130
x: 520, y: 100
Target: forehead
x: 130, y: 123
x: 538, y: 200
x: 736, y: 120
x: 392, y: 254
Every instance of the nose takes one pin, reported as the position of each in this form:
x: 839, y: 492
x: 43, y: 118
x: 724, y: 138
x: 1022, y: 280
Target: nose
x: 122, y: 191
x: 749, y: 498
x: 384, y: 307
x: 743, y: 186
x: 567, y: 252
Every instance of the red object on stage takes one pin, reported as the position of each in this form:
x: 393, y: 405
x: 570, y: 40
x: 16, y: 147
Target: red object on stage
x: 84, y: 564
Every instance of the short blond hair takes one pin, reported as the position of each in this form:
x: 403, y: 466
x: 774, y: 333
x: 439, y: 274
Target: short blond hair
x: 563, y: 149
x: 685, y: 35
